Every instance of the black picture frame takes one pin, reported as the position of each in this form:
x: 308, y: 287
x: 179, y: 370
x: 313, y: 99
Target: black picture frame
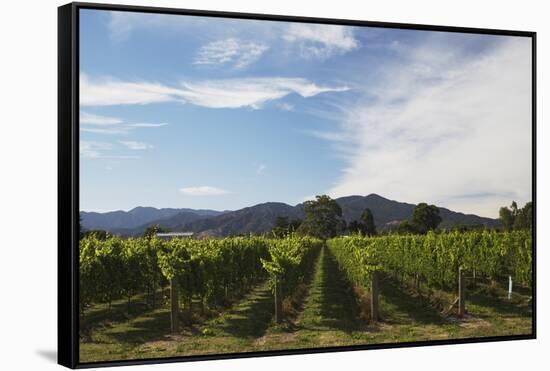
x: 68, y: 179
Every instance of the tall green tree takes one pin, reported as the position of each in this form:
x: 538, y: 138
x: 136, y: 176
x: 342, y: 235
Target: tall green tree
x: 355, y: 227
x: 514, y: 218
x: 506, y: 218
x: 425, y: 217
x: 524, y: 217
x: 368, y: 222
x: 323, y: 218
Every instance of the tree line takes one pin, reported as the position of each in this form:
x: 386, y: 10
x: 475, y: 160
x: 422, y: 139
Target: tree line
x: 323, y: 219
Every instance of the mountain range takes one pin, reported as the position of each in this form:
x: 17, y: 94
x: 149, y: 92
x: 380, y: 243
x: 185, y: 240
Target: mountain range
x: 259, y: 218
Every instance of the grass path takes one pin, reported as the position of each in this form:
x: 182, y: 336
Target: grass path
x: 329, y: 316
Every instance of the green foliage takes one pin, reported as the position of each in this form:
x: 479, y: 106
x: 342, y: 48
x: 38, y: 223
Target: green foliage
x: 514, y: 218
x: 365, y: 225
x: 112, y: 267
x: 407, y: 227
x: 465, y: 227
x: 368, y: 221
x: 152, y: 230
x: 435, y: 258
x: 506, y: 218
x: 354, y: 260
x: 290, y: 259
x: 524, y: 217
x: 207, y: 269
x: 96, y: 233
x: 323, y: 218
x: 284, y: 227
x: 425, y: 217
x: 211, y: 268
x: 355, y: 227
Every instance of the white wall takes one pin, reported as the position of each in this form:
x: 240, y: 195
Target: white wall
x: 28, y: 78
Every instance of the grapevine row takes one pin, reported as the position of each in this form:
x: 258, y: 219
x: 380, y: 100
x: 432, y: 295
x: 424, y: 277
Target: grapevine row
x: 207, y: 270
x: 435, y: 258
x: 290, y: 260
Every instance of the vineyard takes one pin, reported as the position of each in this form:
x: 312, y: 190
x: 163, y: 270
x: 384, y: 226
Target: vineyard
x: 436, y: 258
x: 257, y: 293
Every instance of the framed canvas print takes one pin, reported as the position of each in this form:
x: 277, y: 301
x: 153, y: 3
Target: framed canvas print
x: 238, y: 185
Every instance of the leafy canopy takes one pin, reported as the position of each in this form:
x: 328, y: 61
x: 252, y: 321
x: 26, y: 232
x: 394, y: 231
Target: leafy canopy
x: 323, y: 218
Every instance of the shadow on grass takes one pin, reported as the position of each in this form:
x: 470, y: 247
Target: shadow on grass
x: 251, y: 317
x: 153, y: 326
x: 98, y: 315
x: 398, y: 306
x: 499, y: 305
x: 332, y: 303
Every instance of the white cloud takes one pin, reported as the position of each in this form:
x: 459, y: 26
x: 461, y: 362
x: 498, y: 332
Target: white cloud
x: 203, y: 191
x: 147, y: 125
x: 135, y: 145
x: 446, y: 129
x: 98, y: 124
x: 250, y: 92
x: 108, y: 91
x: 234, y: 51
x: 323, y: 41
x: 92, y: 119
x: 90, y: 149
x: 227, y: 93
x: 261, y: 169
x: 285, y: 106
x: 123, y: 24
x: 104, y: 130
x: 100, y: 150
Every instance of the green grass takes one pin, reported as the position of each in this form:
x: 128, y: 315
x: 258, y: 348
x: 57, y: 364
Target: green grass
x: 329, y: 315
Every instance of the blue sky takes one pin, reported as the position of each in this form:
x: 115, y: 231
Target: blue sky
x: 201, y: 112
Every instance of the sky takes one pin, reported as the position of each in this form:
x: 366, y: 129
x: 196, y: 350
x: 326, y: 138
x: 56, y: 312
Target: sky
x: 198, y: 112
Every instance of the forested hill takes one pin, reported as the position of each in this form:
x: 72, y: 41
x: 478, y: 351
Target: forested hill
x: 260, y: 218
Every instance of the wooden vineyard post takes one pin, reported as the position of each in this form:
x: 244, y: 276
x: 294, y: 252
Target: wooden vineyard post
x: 174, y: 305
x: 374, y: 296
x: 278, y: 300
x: 461, y: 293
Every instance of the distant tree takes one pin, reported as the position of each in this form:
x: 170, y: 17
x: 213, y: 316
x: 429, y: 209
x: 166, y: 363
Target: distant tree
x: 284, y: 227
x: 152, y: 230
x: 294, y: 224
x: 341, y: 226
x: 524, y: 217
x: 365, y: 225
x: 281, y: 226
x: 514, y: 208
x: 368, y: 222
x: 323, y: 218
x: 98, y: 234
x: 407, y: 227
x: 355, y: 227
x: 466, y: 227
x: 425, y: 217
x: 514, y: 218
x: 506, y: 218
